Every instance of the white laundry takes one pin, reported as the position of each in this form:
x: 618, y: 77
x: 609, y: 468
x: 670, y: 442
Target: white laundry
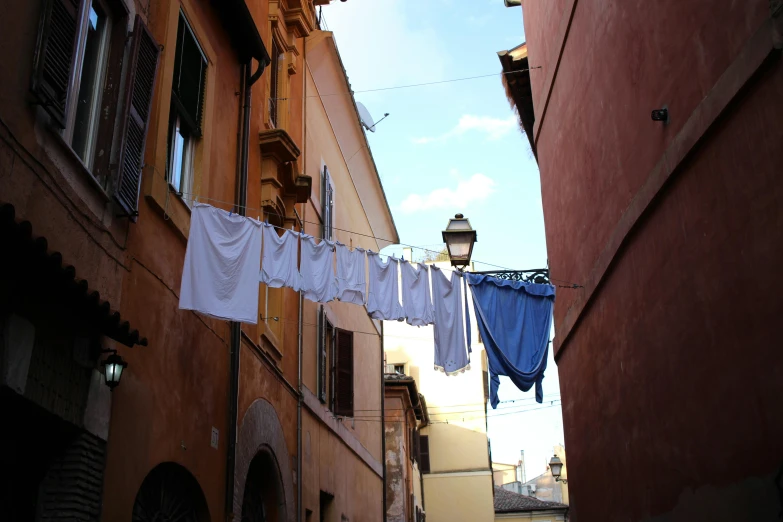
x: 351, y: 277
x: 384, y: 299
x: 451, y: 355
x: 416, y: 301
x: 220, y: 274
x: 317, y: 269
x: 278, y: 263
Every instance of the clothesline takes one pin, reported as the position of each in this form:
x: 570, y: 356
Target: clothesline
x: 553, y: 396
x: 489, y: 416
x: 199, y: 198
x: 376, y: 412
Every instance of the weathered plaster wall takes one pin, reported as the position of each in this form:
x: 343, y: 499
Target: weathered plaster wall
x: 680, y: 297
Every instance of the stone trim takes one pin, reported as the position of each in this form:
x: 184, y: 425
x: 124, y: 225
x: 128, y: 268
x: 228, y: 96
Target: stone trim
x: 261, y: 431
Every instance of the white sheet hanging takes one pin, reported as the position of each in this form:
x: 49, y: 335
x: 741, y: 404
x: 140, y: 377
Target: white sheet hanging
x: 451, y: 354
x: 278, y: 263
x: 384, y: 299
x: 416, y: 301
x: 351, y: 277
x: 220, y: 274
x: 317, y: 269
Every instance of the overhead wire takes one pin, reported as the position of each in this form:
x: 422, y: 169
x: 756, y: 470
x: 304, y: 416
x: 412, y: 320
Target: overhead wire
x: 198, y: 197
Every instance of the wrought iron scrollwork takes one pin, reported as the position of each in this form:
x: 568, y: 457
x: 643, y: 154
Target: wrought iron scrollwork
x: 538, y: 275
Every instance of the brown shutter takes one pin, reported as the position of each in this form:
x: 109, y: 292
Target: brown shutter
x: 343, y: 403
x: 322, y: 354
x: 417, y: 446
x: 424, y: 451
x: 138, y: 101
x: 54, y: 56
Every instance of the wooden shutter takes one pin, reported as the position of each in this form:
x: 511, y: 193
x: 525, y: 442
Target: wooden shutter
x: 190, y: 78
x: 139, y: 89
x: 343, y: 397
x: 54, y: 53
x: 424, y: 452
x: 322, y: 354
x: 417, y: 446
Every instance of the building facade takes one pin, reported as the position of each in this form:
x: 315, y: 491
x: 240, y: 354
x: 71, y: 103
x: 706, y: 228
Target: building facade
x: 116, y: 117
x: 454, y: 446
x: 405, y: 414
x: 514, y: 507
x: 669, y: 222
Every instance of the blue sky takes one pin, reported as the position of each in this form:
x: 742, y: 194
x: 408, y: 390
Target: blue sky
x: 454, y: 147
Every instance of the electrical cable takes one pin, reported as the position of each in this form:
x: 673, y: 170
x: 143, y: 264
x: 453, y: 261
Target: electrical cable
x: 198, y: 197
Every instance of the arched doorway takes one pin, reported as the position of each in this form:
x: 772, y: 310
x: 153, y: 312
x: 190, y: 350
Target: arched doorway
x: 263, y: 479
x: 169, y: 492
x: 263, y: 499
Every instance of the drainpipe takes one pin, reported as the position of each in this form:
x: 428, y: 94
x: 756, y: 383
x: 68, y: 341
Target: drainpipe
x: 299, y: 503
x: 300, y: 399
x: 247, y: 81
x: 383, y: 424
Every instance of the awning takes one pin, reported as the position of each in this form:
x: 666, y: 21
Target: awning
x: 34, y: 283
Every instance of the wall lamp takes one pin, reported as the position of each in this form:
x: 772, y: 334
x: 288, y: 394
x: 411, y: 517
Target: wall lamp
x: 113, y: 367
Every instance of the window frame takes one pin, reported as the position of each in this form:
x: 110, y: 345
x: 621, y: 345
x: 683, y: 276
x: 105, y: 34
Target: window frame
x: 327, y: 204
x: 325, y: 365
x: 180, y: 122
x: 75, y: 80
x: 273, y: 112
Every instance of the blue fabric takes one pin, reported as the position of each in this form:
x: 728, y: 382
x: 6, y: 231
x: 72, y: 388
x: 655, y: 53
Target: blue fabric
x: 514, y: 319
x: 467, y: 314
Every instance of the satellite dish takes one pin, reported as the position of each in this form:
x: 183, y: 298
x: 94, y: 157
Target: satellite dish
x: 366, y: 118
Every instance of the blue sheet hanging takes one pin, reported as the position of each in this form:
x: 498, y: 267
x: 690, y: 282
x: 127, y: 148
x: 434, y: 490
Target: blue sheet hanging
x: 514, y: 319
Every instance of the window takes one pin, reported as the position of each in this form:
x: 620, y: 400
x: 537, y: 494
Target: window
x: 399, y: 369
x: 424, y: 454
x: 343, y: 374
x: 187, y: 106
x: 274, y: 78
x: 89, y: 73
x: 326, y: 339
x: 327, y: 205
x: 77, y: 80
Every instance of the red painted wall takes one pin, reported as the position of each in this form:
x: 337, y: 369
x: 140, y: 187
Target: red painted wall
x: 675, y: 356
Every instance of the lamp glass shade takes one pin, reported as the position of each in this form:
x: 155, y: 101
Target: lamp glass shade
x: 459, y: 237
x: 113, y: 368
x: 556, y: 465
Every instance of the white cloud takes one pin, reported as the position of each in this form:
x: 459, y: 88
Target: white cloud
x: 493, y: 128
x: 473, y: 190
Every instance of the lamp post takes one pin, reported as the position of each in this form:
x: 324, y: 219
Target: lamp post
x: 113, y: 367
x: 556, y: 465
x: 459, y: 237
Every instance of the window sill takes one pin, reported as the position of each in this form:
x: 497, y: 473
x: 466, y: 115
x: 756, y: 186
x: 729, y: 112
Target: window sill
x: 79, y: 165
x: 271, y: 339
x: 159, y: 193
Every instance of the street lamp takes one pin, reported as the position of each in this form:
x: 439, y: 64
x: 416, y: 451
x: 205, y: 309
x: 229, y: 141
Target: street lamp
x: 113, y: 367
x: 459, y: 238
x: 556, y: 465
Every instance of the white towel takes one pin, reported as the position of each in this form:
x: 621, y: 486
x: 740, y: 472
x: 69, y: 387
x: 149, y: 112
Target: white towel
x: 416, y: 301
x: 317, y: 269
x: 278, y: 264
x: 451, y: 355
x: 384, y: 299
x: 220, y: 274
x: 351, y: 278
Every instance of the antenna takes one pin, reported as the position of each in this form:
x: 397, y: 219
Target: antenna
x: 367, y: 121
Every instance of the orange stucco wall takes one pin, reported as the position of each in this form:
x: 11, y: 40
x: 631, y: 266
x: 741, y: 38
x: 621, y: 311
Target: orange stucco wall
x: 175, y: 390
